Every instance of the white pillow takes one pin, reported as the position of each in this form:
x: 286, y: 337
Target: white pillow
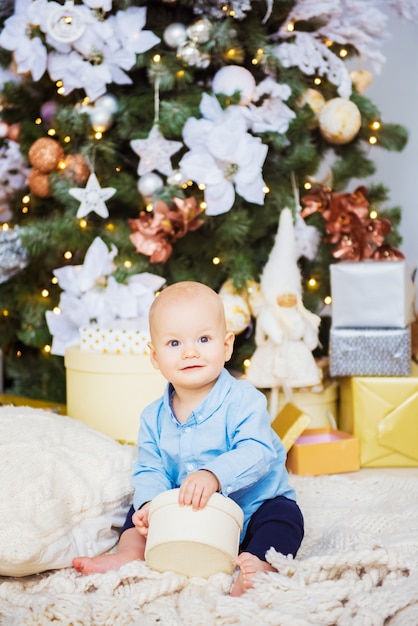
x: 64, y: 490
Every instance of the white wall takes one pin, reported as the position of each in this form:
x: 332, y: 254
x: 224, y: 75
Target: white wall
x: 395, y: 93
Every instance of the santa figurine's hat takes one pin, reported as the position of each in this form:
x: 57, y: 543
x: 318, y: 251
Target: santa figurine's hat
x: 281, y: 274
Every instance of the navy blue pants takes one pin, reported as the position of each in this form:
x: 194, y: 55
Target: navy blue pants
x: 278, y: 524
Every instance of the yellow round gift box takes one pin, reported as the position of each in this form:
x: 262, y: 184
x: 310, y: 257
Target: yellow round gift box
x: 321, y: 406
x: 109, y: 391
x: 193, y: 543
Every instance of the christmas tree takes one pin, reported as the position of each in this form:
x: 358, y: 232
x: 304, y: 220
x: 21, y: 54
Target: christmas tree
x: 176, y: 132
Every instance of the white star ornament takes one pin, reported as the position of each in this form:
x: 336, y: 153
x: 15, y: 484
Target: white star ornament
x: 92, y: 198
x: 155, y: 152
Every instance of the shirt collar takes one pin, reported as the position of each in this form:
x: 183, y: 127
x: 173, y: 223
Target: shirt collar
x: 211, y: 403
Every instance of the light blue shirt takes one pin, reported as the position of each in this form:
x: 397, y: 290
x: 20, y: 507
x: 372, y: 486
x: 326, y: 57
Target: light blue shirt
x: 228, y: 433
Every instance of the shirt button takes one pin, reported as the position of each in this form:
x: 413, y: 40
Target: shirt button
x: 199, y: 418
x: 190, y: 466
x: 187, y: 429
x: 228, y: 489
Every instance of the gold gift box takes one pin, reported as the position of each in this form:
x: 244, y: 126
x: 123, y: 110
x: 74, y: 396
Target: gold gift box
x: 383, y: 413
x: 315, y: 451
x: 7, y: 399
x: 324, y: 451
x: 114, y: 340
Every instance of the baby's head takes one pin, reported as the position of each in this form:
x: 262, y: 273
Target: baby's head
x: 187, y: 323
x: 180, y: 297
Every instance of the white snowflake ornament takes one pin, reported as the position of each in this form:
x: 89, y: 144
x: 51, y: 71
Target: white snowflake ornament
x: 92, y: 198
x: 155, y: 152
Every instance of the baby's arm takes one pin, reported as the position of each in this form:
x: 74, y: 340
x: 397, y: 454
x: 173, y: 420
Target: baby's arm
x: 197, y: 488
x: 251, y: 447
x: 140, y: 519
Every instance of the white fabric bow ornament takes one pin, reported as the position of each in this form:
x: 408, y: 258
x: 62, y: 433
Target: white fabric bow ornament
x: 91, y: 295
x: 272, y: 115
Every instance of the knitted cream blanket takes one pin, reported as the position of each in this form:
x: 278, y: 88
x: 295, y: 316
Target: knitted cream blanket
x: 358, y: 566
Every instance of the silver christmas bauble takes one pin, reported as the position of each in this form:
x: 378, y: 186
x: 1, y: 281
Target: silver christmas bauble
x: 203, y: 60
x: 101, y: 119
x: 108, y: 101
x: 175, y: 35
x: 232, y: 78
x: 177, y: 178
x: 4, y: 129
x: 150, y: 184
x: 189, y: 53
x: 13, y: 257
x: 199, y: 32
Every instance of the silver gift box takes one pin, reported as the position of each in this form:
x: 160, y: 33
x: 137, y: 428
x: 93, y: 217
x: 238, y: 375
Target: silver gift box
x: 370, y: 352
x: 372, y: 294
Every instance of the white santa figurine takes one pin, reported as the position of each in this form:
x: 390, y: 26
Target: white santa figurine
x: 286, y: 332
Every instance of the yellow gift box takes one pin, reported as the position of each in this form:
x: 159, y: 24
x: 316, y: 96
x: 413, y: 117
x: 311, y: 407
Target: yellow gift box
x: 109, y: 391
x: 320, y: 405
x: 289, y: 423
x: 383, y: 413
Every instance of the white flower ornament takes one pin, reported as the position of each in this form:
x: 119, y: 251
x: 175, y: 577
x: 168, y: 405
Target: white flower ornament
x: 91, y: 295
x: 223, y: 156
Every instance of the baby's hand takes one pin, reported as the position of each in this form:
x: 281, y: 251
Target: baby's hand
x: 140, y: 519
x: 197, y: 488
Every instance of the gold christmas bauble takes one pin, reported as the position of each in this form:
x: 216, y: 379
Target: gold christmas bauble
x: 45, y: 154
x: 315, y: 100
x: 361, y: 79
x: 76, y: 169
x: 237, y: 312
x: 39, y: 183
x: 339, y: 121
x: 251, y: 294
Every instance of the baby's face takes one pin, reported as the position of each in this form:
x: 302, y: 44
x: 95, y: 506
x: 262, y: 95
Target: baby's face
x: 190, y: 344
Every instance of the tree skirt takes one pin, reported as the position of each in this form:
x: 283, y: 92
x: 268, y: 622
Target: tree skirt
x: 357, y: 566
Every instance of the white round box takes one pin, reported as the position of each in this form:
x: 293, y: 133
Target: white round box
x: 193, y: 543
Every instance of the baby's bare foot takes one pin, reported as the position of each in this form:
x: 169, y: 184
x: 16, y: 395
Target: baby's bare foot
x: 102, y: 563
x: 131, y: 547
x: 249, y: 565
